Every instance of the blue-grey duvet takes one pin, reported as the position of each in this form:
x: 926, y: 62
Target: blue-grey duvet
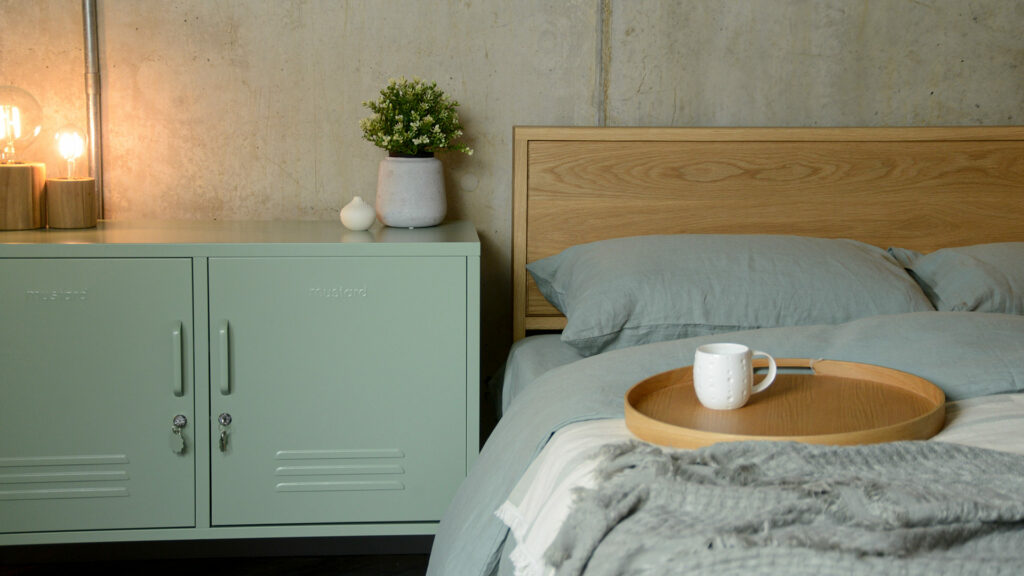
x: 966, y: 354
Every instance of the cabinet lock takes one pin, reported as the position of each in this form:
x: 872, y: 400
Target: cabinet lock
x: 224, y: 420
x: 177, y: 438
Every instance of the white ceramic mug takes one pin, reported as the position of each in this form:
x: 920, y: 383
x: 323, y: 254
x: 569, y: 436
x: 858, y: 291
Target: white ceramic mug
x: 723, y: 375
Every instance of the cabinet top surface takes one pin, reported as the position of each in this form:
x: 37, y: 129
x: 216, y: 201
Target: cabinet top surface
x: 318, y: 236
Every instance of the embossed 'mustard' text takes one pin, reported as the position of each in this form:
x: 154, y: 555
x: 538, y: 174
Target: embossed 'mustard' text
x: 338, y: 292
x: 57, y: 295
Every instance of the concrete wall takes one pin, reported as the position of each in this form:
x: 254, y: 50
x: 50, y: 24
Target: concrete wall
x: 249, y: 109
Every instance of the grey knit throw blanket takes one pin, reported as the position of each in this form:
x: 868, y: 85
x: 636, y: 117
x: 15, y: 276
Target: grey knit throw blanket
x: 785, y: 508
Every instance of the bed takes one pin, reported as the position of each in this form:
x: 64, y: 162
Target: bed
x: 901, y: 247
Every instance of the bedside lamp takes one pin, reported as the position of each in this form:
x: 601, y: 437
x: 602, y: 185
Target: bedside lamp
x: 21, y: 184
x: 71, y: 201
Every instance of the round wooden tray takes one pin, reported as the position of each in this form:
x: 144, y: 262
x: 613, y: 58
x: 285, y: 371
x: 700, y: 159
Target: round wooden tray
x: 828, y: 402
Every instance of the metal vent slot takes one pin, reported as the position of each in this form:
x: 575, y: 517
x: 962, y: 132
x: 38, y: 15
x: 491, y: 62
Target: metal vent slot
x: 90, y: 476
x: 344, y: 469
x: 30, y: 461
x: 339, y: 486
x: 339, y: 454
x: 24, y: 472
x: 48, y: 494
x: 313, y: 468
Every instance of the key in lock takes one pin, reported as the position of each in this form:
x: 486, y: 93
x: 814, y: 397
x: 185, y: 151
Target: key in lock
x: 177, y: 438
x: 225, y: 421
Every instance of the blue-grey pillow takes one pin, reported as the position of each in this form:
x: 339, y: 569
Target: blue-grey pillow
x: 979, y: 278
x: 629, y: 291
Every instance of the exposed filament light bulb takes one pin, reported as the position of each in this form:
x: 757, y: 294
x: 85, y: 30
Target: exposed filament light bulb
x: 10, y: 128
x: 71, y: 146
x: 20, y: 122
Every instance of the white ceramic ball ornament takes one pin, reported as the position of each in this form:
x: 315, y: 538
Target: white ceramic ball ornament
x: 358, y: 215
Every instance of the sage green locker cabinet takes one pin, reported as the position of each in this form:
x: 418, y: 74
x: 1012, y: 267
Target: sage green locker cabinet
x: 95, y: 363
x: 345, y: 382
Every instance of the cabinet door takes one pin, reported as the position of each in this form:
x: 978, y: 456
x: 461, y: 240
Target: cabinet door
x: 345, y: 379
x: 95, y: 361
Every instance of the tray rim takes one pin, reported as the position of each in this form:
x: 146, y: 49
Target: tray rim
x: 925, y: 426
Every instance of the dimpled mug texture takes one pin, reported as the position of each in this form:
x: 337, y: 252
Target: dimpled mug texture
x: 723, y: 376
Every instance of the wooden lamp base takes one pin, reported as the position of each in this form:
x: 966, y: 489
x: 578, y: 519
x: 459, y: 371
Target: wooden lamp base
x: 22, y: 204
x: 71, y: 203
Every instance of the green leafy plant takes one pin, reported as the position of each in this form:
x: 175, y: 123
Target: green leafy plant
x: 413, y: 118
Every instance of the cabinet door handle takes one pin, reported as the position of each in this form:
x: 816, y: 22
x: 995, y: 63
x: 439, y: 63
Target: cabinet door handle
x: 225, y: 374
x: 177, y: 376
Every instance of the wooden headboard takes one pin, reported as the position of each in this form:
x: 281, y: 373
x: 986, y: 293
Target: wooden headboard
x: 920, y: 188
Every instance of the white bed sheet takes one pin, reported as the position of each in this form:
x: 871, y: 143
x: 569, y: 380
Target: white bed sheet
x: 540, y: 502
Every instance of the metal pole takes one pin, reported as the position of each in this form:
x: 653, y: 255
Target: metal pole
x: 92, y: 94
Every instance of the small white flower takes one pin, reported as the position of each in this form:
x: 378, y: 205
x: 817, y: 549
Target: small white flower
x: 412, y: 116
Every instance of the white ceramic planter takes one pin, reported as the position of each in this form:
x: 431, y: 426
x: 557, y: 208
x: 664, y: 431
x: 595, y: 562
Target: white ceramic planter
x: 410, y: 192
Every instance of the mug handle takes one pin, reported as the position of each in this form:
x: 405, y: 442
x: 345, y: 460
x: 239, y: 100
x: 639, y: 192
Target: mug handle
x: 769, y: 377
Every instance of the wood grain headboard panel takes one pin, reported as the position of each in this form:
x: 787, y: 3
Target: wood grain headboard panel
x: 920, y: 188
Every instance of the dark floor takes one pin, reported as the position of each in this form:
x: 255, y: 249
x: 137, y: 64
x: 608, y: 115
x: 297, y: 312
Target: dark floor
x: 396, y: 565
x: 346, y: 556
